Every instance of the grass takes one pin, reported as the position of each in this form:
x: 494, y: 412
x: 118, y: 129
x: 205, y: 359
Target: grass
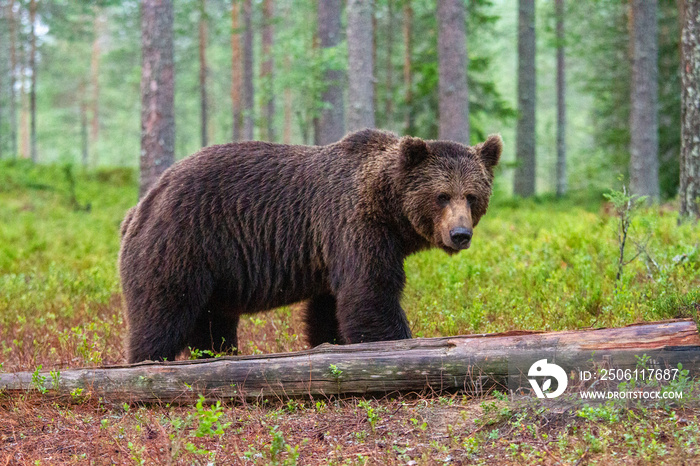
x: 541, y: 264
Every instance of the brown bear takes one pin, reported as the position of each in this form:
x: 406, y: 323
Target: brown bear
x: 246, y: 227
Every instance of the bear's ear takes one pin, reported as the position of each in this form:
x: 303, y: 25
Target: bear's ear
x: 490, y: 150
x: 413, y: 151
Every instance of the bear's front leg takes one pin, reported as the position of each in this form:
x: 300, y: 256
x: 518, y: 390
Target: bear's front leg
x: 368, y: 305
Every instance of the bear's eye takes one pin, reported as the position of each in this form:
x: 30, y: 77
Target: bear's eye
x: 471, y: 199
x: 443, y: 199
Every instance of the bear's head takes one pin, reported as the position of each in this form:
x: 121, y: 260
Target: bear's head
x: 447, y: 187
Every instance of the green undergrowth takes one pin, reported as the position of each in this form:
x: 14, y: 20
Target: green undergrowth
x: 551, y: 265
x: 59, y: 239
x: 539, y: 264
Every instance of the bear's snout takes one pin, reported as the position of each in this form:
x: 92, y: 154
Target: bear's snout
x: 461, y: 237
x: 455, y: 226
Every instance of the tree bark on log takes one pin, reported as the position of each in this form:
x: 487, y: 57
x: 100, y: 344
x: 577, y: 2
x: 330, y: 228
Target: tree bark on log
x: 471, y: 364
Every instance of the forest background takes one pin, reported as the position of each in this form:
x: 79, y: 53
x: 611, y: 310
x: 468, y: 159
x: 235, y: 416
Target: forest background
x: 88, y: 72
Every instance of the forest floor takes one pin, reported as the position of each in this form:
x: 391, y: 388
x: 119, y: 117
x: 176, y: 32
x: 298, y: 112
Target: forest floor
x: 540, y: 264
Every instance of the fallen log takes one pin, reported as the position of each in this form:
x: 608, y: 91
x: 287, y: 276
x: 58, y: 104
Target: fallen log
x: 472, y: 364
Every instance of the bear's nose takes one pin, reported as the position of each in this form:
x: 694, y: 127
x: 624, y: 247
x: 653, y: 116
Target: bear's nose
x: 461, y: 236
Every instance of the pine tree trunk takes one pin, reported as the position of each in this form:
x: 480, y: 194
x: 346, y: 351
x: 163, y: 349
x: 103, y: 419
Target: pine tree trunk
x: 525, y: 172
x: 316, y: 54
x: 84, y: 145
x: 157, y: 91
x: 377, y: 121
x: 331, y: 127
x: 2, y: 82
x: 644, y: 126
x: 389, y: 94
x: 236, y: 70
x: 23, y: 96
x: 360, y: 66
x: 407, y: 75
x: 453, y: 95
x: 287, y: 132
x: 13, y: 73
x: 203, y: 70
x: 24, y: 115
x: 689, y: 191
x: 32, y: 89
x: 248, y: 89
x: 94, y: 77
x: 561, y: 101
x: 23, y: 91
x: 267, y: 72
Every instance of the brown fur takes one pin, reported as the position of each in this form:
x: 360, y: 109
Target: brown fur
x: 241, y: 228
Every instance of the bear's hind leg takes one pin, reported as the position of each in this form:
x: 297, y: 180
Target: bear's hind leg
x: 151, y: 341
x: 162, y: 339
x: 321, y: 321
x: 161, y: 315
x: 216, y: 330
